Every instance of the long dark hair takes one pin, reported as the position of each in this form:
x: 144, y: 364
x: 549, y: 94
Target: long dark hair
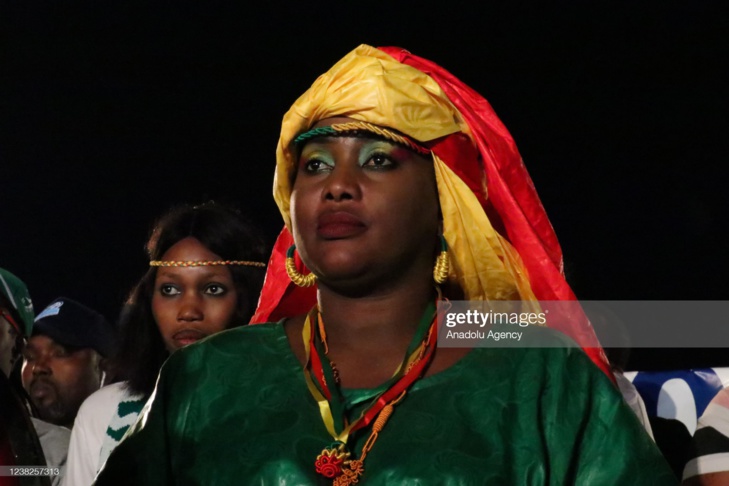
x: 222, y: 230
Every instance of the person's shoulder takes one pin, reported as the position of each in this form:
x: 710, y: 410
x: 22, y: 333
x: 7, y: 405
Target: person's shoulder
x: 244, y: 340
x: 99, y: 407
x: 54, y: 440
x: 554, y: 345
x: 249, y: 335
x: 48, y: 432
x: 236, y: 356
x: 540, y: 351
x: 107, y: 396
x: 530, y: 342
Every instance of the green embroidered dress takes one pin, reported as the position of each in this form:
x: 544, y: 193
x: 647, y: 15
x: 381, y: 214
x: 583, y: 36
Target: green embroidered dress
x: 234, y: 409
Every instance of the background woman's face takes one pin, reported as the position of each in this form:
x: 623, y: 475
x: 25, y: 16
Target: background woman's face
x: 363, y: 207
x: 190, y: 303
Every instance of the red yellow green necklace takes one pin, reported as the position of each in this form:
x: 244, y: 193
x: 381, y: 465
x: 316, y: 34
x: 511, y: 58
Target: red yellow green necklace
x: 336, y: 462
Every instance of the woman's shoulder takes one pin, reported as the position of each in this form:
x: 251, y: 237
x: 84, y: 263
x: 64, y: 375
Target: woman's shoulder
x: 235, y: 362
x: 253, y: 341
x: 541, y: 355
x: 526, y: 344
x: 245, y: 336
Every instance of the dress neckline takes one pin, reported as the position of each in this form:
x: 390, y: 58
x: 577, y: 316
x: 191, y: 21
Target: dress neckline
x: 357, y: 395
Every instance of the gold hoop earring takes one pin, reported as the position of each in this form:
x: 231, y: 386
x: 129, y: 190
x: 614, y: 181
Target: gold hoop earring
x: 440, y: 271
x: 296, y: 277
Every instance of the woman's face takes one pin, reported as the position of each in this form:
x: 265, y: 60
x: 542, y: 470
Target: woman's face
x: 190, y: 303
x: 364, y: 210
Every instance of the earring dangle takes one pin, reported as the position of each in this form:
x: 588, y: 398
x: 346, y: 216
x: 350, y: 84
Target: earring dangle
x: 440, y: 271
x: 299, y: 279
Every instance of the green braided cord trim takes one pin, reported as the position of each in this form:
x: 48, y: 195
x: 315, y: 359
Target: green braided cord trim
x: 340, y: 129
x: 316, y: 132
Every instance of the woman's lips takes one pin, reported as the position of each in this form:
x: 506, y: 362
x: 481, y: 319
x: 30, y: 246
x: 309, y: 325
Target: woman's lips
x: 339, y: 225
x: 187, y: 336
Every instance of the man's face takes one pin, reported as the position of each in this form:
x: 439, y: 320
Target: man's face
x: 58, y: 379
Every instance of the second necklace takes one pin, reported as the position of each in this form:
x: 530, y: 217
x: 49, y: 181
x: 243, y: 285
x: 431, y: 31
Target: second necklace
x: 335, y: 462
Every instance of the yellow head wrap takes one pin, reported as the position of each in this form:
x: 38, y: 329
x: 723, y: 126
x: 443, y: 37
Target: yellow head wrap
x: 392, y: 88
x: 369, y: 85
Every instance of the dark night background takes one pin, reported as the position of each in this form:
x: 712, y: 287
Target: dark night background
x: 113, y: 111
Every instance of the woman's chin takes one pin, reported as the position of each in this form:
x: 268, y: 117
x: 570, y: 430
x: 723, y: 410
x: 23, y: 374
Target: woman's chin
x: 354, y: 282
x: 340, y: 265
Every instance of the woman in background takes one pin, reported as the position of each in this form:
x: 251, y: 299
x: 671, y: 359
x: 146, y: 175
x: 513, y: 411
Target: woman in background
x: 206, y: 271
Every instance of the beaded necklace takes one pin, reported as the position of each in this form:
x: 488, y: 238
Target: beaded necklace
x: 335, y: 461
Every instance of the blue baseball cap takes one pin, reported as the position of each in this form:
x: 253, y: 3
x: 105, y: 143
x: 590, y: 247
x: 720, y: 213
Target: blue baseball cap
x: 72, y: 324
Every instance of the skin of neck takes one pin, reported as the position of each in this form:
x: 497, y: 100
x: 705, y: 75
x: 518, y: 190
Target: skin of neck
x: 383, y: 321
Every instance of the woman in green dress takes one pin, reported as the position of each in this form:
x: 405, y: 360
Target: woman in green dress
x: 399, y: 188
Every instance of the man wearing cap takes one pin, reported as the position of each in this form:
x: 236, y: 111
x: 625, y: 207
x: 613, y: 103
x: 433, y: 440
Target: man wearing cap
x: 62, y: 362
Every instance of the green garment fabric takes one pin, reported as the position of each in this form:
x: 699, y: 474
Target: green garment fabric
x: 234, y: 410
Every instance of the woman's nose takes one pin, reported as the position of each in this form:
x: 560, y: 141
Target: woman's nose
x: 343, y: 184
x: 190, y: 308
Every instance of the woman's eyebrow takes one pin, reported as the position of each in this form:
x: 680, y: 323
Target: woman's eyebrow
x: 310, y: 150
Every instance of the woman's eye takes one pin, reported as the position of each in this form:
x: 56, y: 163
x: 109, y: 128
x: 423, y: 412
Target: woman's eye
x: 215, y: 289
x: 168, y: 290
x: 378, y: 161
x: 314, y: 166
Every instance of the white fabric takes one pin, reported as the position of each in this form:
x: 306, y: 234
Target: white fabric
x: 716, y: 416
x: 681, y: 401
x: 54, y: 442
x: 634, y: 400
x: 90, y: 446
x: 710, y: 463
x: 723, y: 374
